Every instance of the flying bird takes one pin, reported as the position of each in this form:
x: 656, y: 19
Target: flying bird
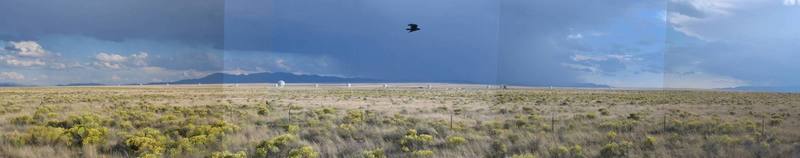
x: 412, y: 28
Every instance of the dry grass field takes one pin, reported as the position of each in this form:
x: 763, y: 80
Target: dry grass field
x: 410, y: 121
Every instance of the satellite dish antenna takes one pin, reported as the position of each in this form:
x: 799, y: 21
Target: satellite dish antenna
x: 281, y: 83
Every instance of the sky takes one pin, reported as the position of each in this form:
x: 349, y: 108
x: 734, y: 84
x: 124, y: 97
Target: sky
x: 618, y: 43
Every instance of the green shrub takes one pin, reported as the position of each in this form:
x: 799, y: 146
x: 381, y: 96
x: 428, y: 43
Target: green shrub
x: 715, y: 144
x: 620, y: 125
x: 181, y: 146
x: 376, y: 153
x: 354, y: 116
x: 711, y: 126
x: 560, y: 151
x: 43, y: 112
x: 286, y: 145
x: 16, y: 138
x: 524, y: 156
x: 591, y: 115
x: 576, y: 151
x: 412, y: 140
x: 423, y: 153
x: 147, y: 142
x: 207, y: 134
x: 649, y: 143
x: 77, y: 130
x: 456, y: 140
x: 292, y: 129
x: 42, y: 135
x: 263, y: 111
x: 303, y: 152
x: 228, y: 154
x: 616, y: 150
x: 87, y: 135
x: 611, y: 135
x: 346, y: 130
x: 499, y: 149
x: 22, y: 120
x: 275, y: 144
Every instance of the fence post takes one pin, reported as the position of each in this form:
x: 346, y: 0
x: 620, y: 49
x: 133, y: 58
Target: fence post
x: 553, y: 122
x: 665, y: 123
x: 451, y: 120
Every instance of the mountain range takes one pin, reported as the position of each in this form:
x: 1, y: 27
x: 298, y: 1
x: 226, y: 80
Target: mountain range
x: 786, y: 89
x: 270, y: 77
x: 274, y: 77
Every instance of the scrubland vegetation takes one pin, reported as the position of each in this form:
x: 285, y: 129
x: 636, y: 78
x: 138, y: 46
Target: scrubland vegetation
x: 306, y: 122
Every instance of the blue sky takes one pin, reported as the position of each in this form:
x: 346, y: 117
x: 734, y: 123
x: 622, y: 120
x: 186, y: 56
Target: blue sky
x: 620, y: 43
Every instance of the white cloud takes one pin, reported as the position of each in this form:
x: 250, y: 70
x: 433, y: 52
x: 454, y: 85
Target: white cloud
x: 579, y: 57
x: 237, y: 71
x: 685, y: 24
x: 727, y: 20
x: 117, y: 61
x: 27, y: 49
x: 58, y: 66
x: 14, y: 61
x: 712, y: 6
x: 11, y: 76
x: 110, y: 57
x: 139, y: 59
x: 581, y: 67
x: 282, y: 64
x: 618, y: 57
x: 575, y: 36
x: 24, y: 54
x: 791, y: 2
x: 108, y: 65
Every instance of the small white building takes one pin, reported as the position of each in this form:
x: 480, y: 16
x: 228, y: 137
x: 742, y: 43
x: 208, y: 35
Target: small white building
x: 281, y: 83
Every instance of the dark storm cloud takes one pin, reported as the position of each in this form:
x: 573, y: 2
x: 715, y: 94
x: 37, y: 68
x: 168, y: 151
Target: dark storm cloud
x: 530, y: 50
x: 191, y: 21
x: 457, y: 41
x: 209, y: 60
x: 484, y: 40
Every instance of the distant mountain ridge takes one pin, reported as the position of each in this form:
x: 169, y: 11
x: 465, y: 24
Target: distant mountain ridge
x: 8, y: 84
x: 785, y: 89
x: 271, y: 77
x: 82, y: 84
